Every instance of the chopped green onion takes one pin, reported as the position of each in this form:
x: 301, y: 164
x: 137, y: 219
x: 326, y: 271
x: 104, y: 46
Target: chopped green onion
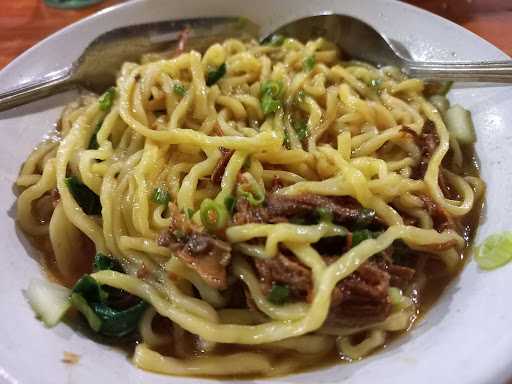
x: 274, y: 40
x: 247, y: 163
x: 251, y: 190
x: 254, y: 198
x: 230, y: 203
x: 495, y: 251
x: 93, y: 143
x: 85, y: 197
x: 107, y: 99
x: 300, y: 97
x: 214, y: 216
x: 213, y: 76
x: 49, y: 301
x: 365, y: 218
x: 278, y: 294
x: 270, y: 93
x: 309, y: 63
x: 324, y: 215
x: 273, y: 88
x: 459, y: 124
x: 301, y: 129
x: 398, y: 299
x: 395, y: 295
x: 102, y: 263
x: 81, y: 304
x: 161, y: 196
x: 179, y: 89
x: 286, y: 140
x: 360, y: 236
x: 269, y: 104
x: 375, y: 83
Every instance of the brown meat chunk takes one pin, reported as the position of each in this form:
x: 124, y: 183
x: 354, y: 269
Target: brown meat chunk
x: 343, y: 209
x: 284, y: 270
x: 427, y: 141
x: 362, y: 297
x: 203, y: 252
x: 280, y: 208
x: 442, y: 219
x: 399, y: 275
x: 246, y: 213
x: 218, y: 172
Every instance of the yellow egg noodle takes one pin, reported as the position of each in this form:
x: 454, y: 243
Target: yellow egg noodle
x: 168, y: 129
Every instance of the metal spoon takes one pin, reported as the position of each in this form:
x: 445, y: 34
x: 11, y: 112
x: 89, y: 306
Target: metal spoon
x: 361, y: 41
x: 96, y: 69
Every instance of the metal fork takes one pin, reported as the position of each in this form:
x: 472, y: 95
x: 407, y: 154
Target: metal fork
x: 96, y: 69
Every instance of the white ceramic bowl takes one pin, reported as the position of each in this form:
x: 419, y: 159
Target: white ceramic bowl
x: 465, y: 338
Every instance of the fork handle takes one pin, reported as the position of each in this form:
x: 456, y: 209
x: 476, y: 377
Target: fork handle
x: 53, y: 83
x: 486, y: 71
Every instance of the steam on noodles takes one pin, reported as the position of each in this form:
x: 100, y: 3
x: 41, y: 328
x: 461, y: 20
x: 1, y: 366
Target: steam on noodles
x: 252, y: 210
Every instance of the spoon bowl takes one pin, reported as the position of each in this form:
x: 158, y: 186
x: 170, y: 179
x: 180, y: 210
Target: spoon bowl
x: 361, y: 41
x: 97, y: 67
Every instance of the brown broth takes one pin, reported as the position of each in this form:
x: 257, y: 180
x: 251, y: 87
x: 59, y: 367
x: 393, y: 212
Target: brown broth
x: 433, y: 289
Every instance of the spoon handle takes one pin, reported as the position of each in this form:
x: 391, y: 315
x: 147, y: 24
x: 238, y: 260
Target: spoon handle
x: 486, y: 71
x: 31, y: 91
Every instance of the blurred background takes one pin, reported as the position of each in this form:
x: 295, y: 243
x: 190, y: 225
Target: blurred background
x: 25, y: 22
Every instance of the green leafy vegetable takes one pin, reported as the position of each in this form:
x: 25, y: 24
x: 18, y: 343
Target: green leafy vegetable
x: 107, y: 99
x: 309, y: 63
x: 213, y: 76
x: 93, y: 143
x: 189, y: 212
x: 441, y: 103
x: 301, y: 129
x: 102, y: 262
x: 279, y: 294
x: 460, y: 125
x: 161, y: 196
x: 49, y: 301
x: 495, y: 251
x: 270, y: 96
x: 214, y: 216
x: 83, y: 307
x: 116, y: 322
x: 89, y: 289
x: 230, y: 203
x: 179, y: 89
x: 324, y: 215
x: 99, y: 309
x: 274, y: 40
x: 85, y: 197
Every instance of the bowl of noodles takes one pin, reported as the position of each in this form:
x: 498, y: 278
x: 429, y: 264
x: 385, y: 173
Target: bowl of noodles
x: 271, y: 211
